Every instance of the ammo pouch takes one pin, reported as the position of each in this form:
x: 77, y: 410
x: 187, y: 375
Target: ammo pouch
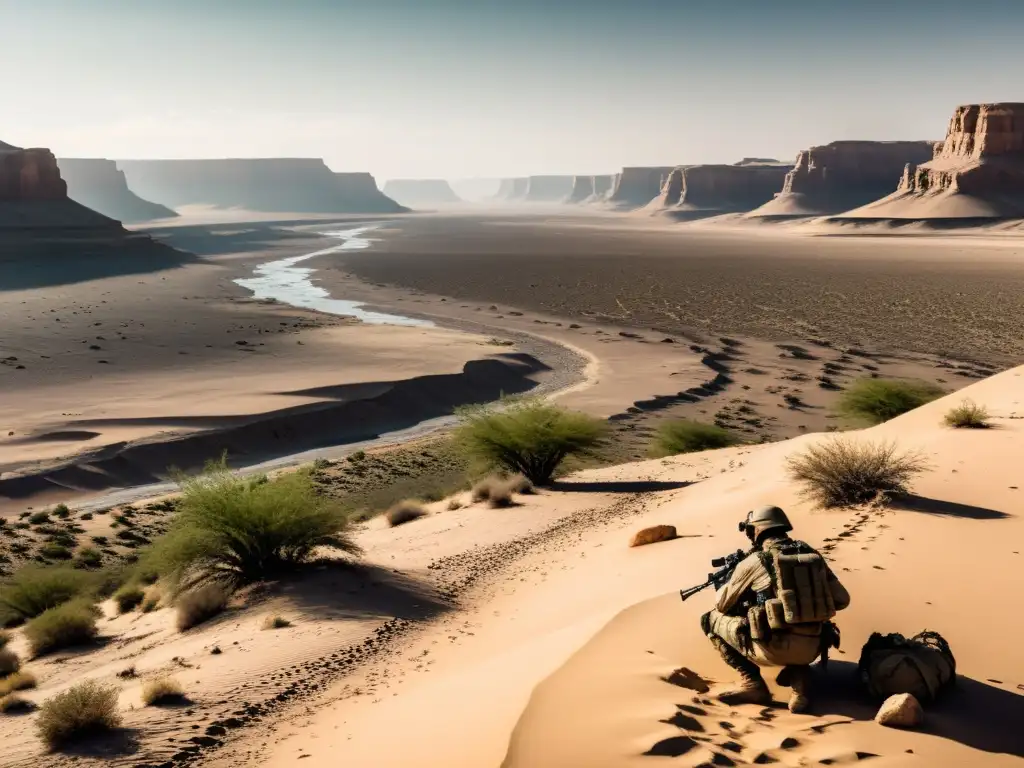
x: 800, y: 576
x: 757, y: 621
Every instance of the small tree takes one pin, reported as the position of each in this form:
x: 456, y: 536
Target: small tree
x: 527, y: 436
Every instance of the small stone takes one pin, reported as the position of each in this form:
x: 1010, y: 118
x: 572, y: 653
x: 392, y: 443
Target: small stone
x: 902, y: 710
x: 652, y: 535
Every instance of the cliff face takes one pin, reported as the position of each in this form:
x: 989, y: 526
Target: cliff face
x: 420, y: 192
x: 506, y: 188
x: 603, y: 185
x: 843, y: 175
x: 298, y: 185
x: 706, y: 190
x: 519, y: 188
x: 29, y: 175
x: 548, y: 189
x: 977, y: 172
x: 636, y: 187
x: 582, y: 189
x: 101, y: 185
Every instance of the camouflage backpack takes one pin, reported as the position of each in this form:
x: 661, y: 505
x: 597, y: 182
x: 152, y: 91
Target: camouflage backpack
x: 923, y: 665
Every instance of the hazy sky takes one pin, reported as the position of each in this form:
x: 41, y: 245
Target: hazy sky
x: 453, y: 88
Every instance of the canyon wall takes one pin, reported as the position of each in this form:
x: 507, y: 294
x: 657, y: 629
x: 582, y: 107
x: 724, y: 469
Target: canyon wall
x: 99, y: 184
x: 420, y: 192
x: 637, y: 186
x: 296, y: 185
x: 506, y: 189
x: 519, y: 188
x: 842, y: 175
x: 547, y: 189
x: 694, y: 191
x: 29, y: 175
x: 976, y: 172
x: 582, y: 189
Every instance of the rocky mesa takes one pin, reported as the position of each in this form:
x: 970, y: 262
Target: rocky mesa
x: 414, y: 193
x: 582, y: 189
x: 295, y: 185
x: 698, y: 191
x: 637, y: 186
x: 841, y: 175
x: 99, y: 184
x: 548, y: 189
x: 977, y: 172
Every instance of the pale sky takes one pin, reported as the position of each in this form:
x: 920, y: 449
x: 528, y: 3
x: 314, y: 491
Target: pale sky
x: 462, y: 88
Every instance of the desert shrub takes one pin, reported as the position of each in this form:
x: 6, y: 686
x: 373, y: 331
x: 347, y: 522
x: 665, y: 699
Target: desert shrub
x: 128, y: 598
x: 276, y: 622
x: 150, y: 603
x: 404, y: 512
x: 34, y: 589
x: 88, y: 557
x: 453, y: 504
x: 51, y: 550
x: 967, y: 414
x: 62, y: 511
x: 228, y: 530
x: 500, y: 496
x: 357, y: 456
x: 62, y: 627
x: 481, y: 490
x: 843, y: 472
x: 527, y: 436
x: 520, y: 484
x: 876, y: 400
x: 80, y: 711
x: 201, y: 604
x: 19, y: 681
x: 688, y: 436
x: 14, y: 704
x: 9, y: 662
x: 322, y: 464
x: 39, y: 518
x: 163, y: 690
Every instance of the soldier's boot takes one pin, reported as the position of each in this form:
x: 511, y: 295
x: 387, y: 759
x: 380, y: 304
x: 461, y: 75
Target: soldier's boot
x: 799, y: 680
x: 752, y: 688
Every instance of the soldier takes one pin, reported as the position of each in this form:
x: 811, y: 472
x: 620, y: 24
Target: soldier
x: 775, y: 611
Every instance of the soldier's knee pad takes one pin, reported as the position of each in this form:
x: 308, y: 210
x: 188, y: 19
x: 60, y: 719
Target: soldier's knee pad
x: 705, y: 623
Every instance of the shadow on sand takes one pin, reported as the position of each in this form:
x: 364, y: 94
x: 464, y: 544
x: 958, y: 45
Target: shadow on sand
x: 914, y: 503
x: 972, y: 713
x: 105, y: 745
x: 618, y: 486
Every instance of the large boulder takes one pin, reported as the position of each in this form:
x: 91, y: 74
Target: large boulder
x: 842, y: 175
x: 977, y: 172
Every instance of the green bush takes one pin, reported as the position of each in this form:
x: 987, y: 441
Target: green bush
x: 62, y: 511
x: 200, y: 605
x: 527, y: 436
x: 88, y: 557
x: 39, y: 518
x: 874, y: 401
x: 80, y: 711
x: 688, y: 436
x: 9, y: 662
x: 228, y: 530
x: 968, y: 414
x: 128, y: 598
x: 843, y: 472
x: 51, y: 550
x: 404, y: 512
x: 34, y: 589
x: 62, y: 627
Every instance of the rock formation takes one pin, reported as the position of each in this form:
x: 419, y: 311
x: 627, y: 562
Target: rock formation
x: 29, y: 175
x: 758, y: 161
x: 977, y: 172
x: 842, y: 175
x: 636, y: 187
x: 547, y: 189
x: 295, y: 185
x: 506, y: 189
x: 99, y: 184
x: 603, y: 186
x: 582, y: 189
x: 697, y: 191
x: 420, y: 192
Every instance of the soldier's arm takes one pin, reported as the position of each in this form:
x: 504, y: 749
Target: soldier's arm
x: 840, y: 596
x: 740, y: 582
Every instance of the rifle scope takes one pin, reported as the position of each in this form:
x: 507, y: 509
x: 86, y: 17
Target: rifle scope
x: 718, y: 562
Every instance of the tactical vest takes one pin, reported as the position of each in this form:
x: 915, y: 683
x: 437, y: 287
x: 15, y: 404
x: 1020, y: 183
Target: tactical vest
x: 799, y: 598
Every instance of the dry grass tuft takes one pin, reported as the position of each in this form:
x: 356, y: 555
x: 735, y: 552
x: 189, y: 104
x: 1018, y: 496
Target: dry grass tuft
x: 151, y: 602
x: 5, y: 638
x: 62, y: 627
x: 453, y: 504
x: 163, y: 691
x: 481, y: 490
x: 404, y: 512
x: 844, y: 472
x: 128, y: 598
x: 19, y: 681
x: 13, y: 704
x: 201, y: 605
x: 276, y: 622
x: 520, y: 484
x: 82, y: 710
x: 9, y: 663
x: 500, y: 496
x: 968, y: 414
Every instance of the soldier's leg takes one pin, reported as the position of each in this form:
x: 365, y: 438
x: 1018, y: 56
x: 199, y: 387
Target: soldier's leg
x: 724, y: 633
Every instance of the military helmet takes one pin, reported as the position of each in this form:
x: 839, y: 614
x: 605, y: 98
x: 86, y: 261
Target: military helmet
x: 764, y: 519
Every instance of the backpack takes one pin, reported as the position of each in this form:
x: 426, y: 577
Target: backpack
x: 800, y: 593
x: 923, y: 665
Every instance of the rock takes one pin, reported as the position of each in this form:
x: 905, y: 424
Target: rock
x: 687, y: 678
x: 99, y: 184
x: 697, y: 191
x: 976, y: 172
x: 900, y: 711
x: 302, y: 185
x: 637, y: 186
x: 653, y: 535
x: 547, y: 189
x: 510, y: 190
x: 842, y: 175
x: 421, y: 192
x: 582, y: 189
x: 29, y: 175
